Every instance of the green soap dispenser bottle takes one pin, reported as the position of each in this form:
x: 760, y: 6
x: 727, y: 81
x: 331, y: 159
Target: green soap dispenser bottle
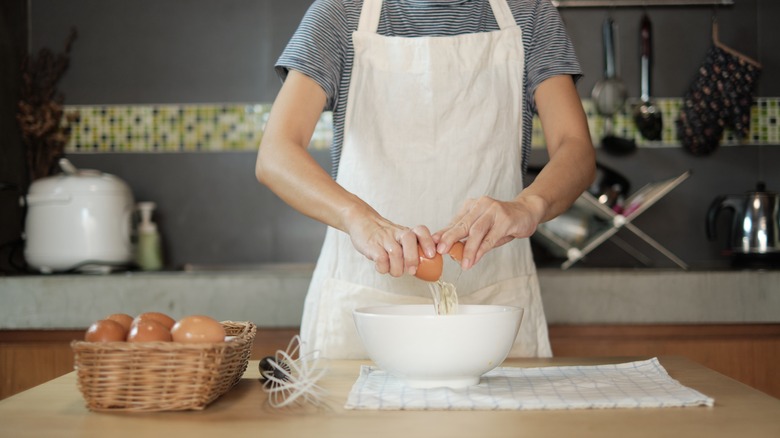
x: 149, y: 251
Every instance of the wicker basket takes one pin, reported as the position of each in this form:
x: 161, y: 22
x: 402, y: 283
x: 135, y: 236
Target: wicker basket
x: 161, y: 376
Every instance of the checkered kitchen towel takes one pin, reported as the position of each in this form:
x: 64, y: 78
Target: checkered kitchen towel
x: 641, y: 384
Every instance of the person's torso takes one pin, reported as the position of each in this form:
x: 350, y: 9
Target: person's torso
x: 409, y: 18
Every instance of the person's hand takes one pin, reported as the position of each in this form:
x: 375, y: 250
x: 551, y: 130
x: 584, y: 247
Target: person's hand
x: 392, y: 247
x: 486, y: 223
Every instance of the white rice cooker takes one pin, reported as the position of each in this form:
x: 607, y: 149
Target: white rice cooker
x: 79, y: 220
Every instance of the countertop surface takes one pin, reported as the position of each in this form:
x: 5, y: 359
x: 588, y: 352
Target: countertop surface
x: 273, y: 296
x: 56, y: 408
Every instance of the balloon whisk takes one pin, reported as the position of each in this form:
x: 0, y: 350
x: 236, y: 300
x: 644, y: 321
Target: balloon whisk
x: 291, y: 377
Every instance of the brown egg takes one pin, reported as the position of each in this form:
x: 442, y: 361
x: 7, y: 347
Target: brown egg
x: 456, y: 252
x: 148, y: 330
x: 428, y: 269
x: 197, y: 329
x: 105, y: 330
x: 162, y: 318
x: 122, y: 318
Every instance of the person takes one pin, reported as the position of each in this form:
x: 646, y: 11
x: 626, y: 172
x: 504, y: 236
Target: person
x: 433, y: 102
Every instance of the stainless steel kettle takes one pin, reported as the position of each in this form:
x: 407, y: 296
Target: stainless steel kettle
x: 755, y: 224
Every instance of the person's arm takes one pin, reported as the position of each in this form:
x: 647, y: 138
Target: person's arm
x: 487, y: 223
x: 572, y: 164
x: 285, y: 166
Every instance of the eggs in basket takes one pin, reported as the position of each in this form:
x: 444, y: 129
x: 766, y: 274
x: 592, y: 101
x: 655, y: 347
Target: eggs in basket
x: 152, y: 362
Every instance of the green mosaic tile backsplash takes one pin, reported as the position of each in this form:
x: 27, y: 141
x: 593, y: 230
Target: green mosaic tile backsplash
x: 202, y: 128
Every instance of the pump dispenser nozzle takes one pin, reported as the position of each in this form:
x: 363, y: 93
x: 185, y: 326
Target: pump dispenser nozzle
x: 146, y: 209
x: 149, y: 254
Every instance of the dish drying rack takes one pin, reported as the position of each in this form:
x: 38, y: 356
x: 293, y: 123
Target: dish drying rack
x: 612, y: 221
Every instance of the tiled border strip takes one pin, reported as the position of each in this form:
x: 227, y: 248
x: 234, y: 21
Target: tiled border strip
x: 203, y: 128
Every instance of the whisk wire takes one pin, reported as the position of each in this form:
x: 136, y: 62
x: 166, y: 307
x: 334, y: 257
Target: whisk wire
x: 290, y: 379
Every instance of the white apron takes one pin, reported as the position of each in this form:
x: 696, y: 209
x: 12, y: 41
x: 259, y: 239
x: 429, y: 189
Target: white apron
x: 430, y: 122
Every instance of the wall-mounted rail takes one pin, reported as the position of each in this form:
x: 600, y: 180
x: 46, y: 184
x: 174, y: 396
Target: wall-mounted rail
x: 637, y: 3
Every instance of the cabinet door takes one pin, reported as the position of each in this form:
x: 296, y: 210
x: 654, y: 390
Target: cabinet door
x: 745, y: 352
x: 31, y: 357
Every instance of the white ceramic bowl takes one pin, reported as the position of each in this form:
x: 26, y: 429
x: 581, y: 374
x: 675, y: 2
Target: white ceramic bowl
x: 426, y: 350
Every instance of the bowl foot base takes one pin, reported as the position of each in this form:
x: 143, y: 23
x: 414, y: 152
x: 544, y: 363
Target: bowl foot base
x: 457, y: 383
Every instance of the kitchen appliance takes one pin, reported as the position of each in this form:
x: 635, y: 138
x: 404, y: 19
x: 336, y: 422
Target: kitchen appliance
x: 754, y: 238
x: 79, y: 220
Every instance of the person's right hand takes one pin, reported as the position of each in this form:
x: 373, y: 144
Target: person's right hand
x: 285, y: 166
x: 391, y: 247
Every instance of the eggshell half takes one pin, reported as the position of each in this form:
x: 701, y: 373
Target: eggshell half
x: 429, y: 269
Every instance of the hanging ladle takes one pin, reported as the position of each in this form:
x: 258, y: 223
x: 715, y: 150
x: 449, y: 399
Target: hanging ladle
x: 609, y: 95
x: 647, y: 117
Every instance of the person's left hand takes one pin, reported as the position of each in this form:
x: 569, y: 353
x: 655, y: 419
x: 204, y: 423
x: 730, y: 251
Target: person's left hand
x: 486, y: 223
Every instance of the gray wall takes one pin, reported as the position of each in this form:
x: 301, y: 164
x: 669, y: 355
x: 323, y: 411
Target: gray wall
x: 212, y: 211
x: 168, y: 51
x: 180, y: 51
x: 681, y: 35
x: 215, y: 213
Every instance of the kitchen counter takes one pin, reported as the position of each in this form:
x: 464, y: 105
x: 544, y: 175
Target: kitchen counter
x: 56, y: 408
x: 273, y: 295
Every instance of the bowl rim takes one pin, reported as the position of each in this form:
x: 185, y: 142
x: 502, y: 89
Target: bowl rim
x: 497, y: 308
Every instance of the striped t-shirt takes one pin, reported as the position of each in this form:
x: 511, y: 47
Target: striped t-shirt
x: 321, y: 47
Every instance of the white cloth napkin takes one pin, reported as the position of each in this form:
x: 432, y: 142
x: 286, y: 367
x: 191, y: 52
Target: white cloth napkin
x: 641, y: 384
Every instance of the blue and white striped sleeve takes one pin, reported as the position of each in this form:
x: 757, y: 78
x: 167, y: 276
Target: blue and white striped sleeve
x: 551, y: 52
x: 318, y: 47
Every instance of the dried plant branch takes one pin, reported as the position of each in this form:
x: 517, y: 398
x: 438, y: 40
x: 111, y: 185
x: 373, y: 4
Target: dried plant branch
x: 40, y: 109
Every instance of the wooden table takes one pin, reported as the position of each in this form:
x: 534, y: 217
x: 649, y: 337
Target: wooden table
x: 56, y: 408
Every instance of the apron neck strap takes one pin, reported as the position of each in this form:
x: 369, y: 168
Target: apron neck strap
x: 503, y: 14
x: 369, y: 15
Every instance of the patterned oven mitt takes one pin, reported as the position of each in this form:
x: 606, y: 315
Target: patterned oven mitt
x: 719, y: 97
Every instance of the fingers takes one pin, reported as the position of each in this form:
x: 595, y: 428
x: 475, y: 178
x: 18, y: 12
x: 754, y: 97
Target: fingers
x: 394, y: 259
x: 483, y: 224
x: 409, y: 245
x: 410, y: 240
x: 462, y: 227
x: 425, y: 240
x: 380, y: 255
x: 394, y: 249
x: 458, y: 229
x: 483, y: 237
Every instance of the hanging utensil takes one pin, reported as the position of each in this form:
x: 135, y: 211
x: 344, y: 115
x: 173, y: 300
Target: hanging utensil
x: 609, y: 95
x: 647, y: 116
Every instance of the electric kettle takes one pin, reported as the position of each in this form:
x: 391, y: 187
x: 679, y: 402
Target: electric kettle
x: 755, y: 225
